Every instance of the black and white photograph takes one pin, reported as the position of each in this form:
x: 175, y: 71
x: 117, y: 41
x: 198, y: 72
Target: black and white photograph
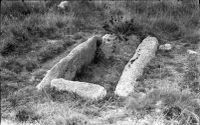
x: 100, y: 62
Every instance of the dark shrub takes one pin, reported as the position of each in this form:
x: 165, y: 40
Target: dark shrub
x: 62, y: 96
x: 172, y: 113
x: 122, y: 28
x: 22, y: 116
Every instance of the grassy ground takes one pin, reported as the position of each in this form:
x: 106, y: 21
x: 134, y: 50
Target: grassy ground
x: 34, y: 37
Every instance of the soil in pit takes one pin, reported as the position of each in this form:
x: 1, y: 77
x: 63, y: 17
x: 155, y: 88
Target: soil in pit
x: 106, y: 72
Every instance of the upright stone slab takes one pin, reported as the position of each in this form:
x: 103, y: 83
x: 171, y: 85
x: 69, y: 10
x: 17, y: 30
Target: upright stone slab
x: 84, y: 89
x: 134, y: 69
x: 67, y: 67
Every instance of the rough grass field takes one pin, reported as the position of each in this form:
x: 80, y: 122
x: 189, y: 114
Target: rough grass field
x: 35, y: 36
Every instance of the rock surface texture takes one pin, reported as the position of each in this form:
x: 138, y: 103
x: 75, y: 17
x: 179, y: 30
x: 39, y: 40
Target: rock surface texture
x: 134, y: 69
x: 83, y: 89
x: 67, y: 67
x: 166, y: 47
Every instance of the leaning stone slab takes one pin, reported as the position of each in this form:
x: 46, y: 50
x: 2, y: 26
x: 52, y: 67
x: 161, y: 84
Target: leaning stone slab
x: 84, y: 89
x: 67, y: 67
x: 134, y: 69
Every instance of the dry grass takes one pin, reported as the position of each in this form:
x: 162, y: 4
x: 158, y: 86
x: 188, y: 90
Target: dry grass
x: 170, y: 102
x: 163, y: 20
x: 23, y: 47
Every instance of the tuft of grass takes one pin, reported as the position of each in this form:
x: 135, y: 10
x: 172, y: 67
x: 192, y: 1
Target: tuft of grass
x: 173, y: 103
x: 76, y: 120
x: 18, y: 43
x: 7, y: 88
x: 167, y: 29
x: 155, y: 70
x: 17, y: 65
x: 191, y: 77
x: 24, y: 96
x: 7, y: 75
x: 52, y: 49
x: 12, y: 65
x: 26, y: 114
x: 41, y: 26
x: 63, y: 96
x: 22, y: 36
x: 17, y: 9
x: 49, y: 52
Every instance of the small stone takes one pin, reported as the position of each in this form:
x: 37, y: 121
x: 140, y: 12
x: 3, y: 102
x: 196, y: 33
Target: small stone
x: 13, y: 85
x: 63, y: 4
x: 83, y: 89
x: 192, y: 52
x: 127, y: 121
x: 165, y: 47
x: 53, y: 41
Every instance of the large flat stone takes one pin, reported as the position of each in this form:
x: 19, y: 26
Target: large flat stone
x: 67, y: 67
x: 84, y: 89
x: 134, y: 68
